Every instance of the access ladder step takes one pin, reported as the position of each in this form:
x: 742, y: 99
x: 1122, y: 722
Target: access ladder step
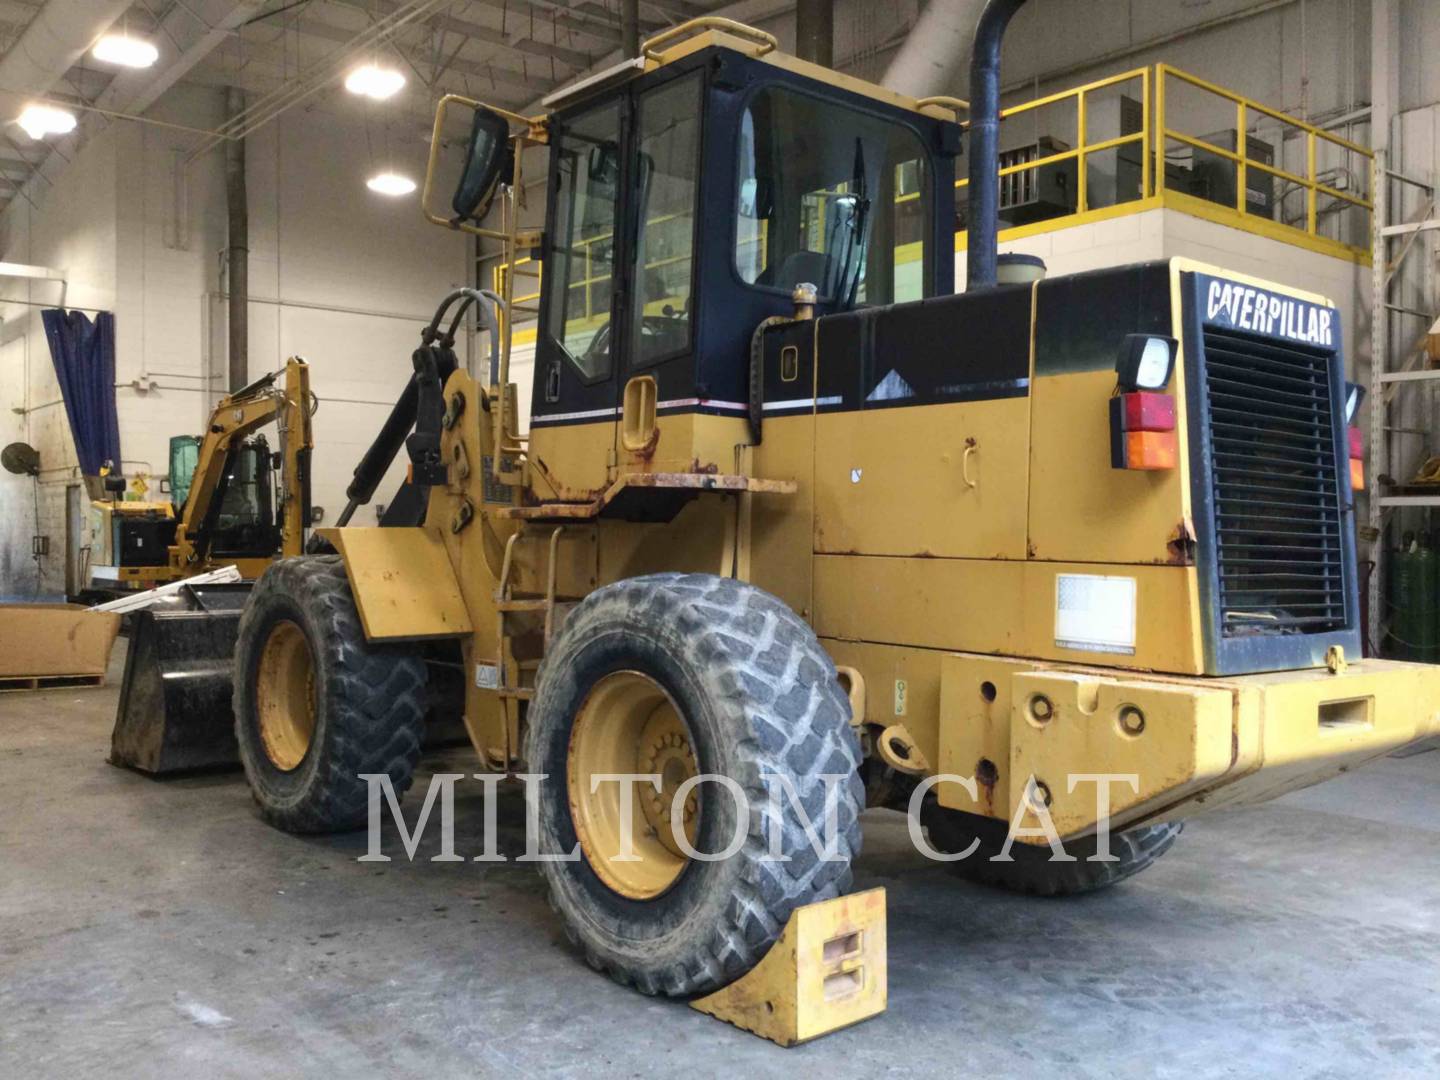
x: 523, y: 605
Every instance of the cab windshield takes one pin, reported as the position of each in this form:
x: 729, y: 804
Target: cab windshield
x: 833, y: 197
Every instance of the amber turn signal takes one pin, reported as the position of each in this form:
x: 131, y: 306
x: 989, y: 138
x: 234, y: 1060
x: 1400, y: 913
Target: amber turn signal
x: 1151, y: 450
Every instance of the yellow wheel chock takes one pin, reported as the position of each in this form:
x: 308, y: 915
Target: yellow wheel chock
x: 826, y: 972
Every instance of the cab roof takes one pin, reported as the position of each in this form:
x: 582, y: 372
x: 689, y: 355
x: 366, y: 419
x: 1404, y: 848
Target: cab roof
x: 691, y: 37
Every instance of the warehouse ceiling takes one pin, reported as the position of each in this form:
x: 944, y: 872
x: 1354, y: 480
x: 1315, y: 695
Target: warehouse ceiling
x: 284, y: 53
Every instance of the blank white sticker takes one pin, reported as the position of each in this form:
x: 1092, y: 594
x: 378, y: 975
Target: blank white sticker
x: 1094, y: 613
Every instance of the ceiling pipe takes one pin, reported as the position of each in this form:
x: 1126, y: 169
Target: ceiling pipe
x: 929, y: 60
x: 815, y: 31
x: 984, y: 212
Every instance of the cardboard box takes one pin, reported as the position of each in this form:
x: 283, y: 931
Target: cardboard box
x: 55, y: 639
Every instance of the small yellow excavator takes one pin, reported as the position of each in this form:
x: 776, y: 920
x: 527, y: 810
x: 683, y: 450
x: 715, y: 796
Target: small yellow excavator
x: 236, y: 504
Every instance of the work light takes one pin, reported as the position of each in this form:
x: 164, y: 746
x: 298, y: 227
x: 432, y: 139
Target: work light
x: 1354, y: 396
x: 1146, y: 362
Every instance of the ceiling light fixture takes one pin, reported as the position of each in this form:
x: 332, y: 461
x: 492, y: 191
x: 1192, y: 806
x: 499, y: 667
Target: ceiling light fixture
x: 41, y: 120
x: 127, y: 51
x: 374, y: 81
x: 390, y: 183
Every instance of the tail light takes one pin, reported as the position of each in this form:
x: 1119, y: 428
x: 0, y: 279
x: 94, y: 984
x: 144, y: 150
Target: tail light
x: 1142, y: 416
x: 1142, y: 431
x: 1357, y: 460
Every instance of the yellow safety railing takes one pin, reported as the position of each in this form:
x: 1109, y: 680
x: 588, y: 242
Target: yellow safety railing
x: 1079, y: 96
x: 1311, y: 183
x: 1160, y: 128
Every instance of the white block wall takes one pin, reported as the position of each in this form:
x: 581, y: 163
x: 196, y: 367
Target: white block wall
x: 338, y: 275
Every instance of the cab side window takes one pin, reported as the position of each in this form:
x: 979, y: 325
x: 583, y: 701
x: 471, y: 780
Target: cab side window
x: 830, y: 196
x: 668, y: 159
x: 582, y: 258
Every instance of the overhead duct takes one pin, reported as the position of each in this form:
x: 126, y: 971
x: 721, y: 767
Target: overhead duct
x: 937, y: 45
x: 984, y: 211
x: 53, y: 42
x: 187, y: 34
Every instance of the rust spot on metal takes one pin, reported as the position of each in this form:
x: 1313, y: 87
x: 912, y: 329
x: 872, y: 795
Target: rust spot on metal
x: 987, y: 776
x: 647, y: 452
x: 1181, y: 544
x: 697, y: 466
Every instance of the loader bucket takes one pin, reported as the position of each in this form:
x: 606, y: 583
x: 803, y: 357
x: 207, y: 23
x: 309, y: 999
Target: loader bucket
x: 174, y: 713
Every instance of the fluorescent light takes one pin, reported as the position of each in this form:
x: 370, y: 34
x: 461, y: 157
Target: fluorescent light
x: 125, y: 50
x: 374, y: 82
x: 389, y: 183
x: 41, y: 120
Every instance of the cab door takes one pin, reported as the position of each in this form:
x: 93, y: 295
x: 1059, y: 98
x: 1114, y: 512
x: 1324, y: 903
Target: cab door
x: 575, y: 399
x: 617, y: 309
x: 657, y: 363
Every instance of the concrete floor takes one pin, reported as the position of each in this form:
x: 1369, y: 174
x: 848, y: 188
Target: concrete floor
x: 160, y: 929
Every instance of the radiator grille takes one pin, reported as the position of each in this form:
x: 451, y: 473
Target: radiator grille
x: 1275, y: 486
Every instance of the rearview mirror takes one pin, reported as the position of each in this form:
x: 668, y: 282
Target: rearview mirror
x: 602, y: 165
x: 487, y: 160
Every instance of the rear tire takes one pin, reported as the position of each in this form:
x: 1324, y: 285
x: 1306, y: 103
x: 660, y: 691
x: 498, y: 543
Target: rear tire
x: 755, y: 694
x: 1031, y: 872
x: 316, y: 705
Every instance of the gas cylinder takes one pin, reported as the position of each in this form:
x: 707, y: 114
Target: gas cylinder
x: 1403, y: 570
x: 1426, y: 601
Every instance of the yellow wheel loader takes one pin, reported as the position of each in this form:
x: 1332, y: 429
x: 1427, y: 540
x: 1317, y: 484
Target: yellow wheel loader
x: 793, y: 515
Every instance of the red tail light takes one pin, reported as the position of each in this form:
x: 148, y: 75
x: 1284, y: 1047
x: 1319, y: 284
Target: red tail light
x: 1142, y: 431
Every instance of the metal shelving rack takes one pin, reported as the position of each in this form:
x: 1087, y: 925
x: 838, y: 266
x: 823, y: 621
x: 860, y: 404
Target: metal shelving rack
x: 1388, y: 379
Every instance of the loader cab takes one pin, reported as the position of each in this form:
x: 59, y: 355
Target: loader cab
x: 687, y: 203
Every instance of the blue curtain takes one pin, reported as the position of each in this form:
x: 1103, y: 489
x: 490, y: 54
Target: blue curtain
x: 84, y: 356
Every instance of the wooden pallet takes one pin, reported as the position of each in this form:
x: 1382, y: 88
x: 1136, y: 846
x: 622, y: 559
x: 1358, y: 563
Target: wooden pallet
x: 13, y: 683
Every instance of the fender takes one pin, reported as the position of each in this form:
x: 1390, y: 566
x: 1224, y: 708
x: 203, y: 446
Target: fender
x: 404, y: 586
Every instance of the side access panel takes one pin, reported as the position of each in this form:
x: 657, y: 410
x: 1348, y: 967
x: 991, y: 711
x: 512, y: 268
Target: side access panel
x: 405, y: 588
x: 922, y: 428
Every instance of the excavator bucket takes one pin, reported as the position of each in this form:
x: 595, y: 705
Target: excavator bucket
x: 174, y: 713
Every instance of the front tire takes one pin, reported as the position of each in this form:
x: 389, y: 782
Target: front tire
x: 675, y: 675
x: 316, y: 705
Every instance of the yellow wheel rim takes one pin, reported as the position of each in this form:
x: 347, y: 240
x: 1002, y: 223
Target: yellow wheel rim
x: 285, y: 695
x: 628, y: 724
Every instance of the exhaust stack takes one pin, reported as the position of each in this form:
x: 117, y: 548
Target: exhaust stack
x: 984, y: 212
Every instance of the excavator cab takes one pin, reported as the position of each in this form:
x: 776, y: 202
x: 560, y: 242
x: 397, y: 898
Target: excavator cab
x: 245, y: 524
